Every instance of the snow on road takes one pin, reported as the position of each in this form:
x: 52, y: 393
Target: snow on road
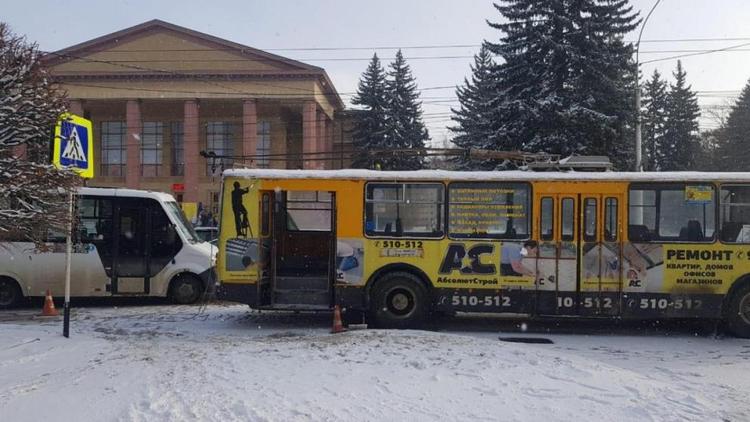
x: 171, y: 363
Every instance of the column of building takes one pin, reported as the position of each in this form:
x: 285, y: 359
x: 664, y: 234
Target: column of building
x: 309, y: 134
x: 133, y: 131
x: 329, y: 144
x: 250, y: 131
x: 321, y: 149
x: 191, y: 145
x: 317, y: 137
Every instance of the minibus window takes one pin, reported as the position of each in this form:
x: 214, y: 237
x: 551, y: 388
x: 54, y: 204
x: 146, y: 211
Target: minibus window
x: 181, y: 223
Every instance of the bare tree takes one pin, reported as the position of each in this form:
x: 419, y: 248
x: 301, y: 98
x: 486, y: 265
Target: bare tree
x: 717, y: 114
x: 33, y: 194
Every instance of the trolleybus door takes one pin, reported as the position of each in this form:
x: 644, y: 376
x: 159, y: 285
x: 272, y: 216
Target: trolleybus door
x: 579, y: 254
x: 600, y: 255
x: 557, y: 255
x: 546, y: 263
x: 303, y: 249
x: 266, y: 251
x: 277, y: 231
x: 567, y: 255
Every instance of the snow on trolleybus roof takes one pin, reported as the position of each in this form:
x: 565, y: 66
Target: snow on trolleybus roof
x: 513, y: 175
x: 126, y: 193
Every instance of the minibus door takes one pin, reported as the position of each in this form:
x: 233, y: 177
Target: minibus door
x: 131, y: 244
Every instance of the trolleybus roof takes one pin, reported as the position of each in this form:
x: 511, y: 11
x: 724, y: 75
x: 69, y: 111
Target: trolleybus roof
x: 513, y: 175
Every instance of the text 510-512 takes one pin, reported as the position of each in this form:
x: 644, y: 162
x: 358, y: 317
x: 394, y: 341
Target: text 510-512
x: 463, y: 300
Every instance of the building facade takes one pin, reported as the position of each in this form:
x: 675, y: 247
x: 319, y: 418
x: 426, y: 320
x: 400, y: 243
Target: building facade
x: 159, y: 95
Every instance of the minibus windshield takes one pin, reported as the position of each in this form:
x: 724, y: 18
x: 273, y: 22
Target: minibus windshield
x: 183, y: 225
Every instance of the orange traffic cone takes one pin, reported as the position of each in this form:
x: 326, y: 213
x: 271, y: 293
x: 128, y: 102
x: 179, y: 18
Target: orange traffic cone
x: 338, y: 327
x: 49, y: 306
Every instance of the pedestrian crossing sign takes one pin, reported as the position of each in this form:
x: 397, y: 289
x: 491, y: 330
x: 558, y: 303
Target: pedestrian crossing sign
x: 73, y: 146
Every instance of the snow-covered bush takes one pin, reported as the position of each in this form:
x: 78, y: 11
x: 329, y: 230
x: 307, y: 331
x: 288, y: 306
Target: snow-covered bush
x: 33, y: 194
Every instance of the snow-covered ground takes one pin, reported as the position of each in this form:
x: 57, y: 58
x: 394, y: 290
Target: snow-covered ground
x: 226, y: 363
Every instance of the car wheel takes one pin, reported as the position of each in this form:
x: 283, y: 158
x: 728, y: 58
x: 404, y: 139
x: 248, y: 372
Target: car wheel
x: 10, y: 293
x: 185, y: 289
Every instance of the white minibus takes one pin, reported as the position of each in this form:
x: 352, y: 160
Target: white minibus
x: 127, y: 243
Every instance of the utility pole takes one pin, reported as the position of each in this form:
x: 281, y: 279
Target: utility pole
x: 638, y: 140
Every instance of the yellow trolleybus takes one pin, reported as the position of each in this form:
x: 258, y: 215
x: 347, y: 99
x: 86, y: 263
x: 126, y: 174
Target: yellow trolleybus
x: 396, y: 246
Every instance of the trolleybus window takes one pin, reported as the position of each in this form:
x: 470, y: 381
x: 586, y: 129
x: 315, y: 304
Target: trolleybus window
x: 671, y: 212
x: 265, y: 219
x: 308, y: 211
x: 589, y: 220
x: 610, y: 220
x: 410, y: 209
x: 568, y: 223
x: 735, y: 214
x: 548, y: 218
x: 488, y: 210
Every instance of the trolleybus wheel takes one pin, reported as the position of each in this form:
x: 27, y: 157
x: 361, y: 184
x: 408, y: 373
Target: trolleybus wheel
x: 738, y: 317
x: 399, y: 300
x: 10, y: 293
x: 185, y: 289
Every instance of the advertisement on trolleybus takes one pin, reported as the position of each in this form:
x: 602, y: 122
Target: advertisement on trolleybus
x: 395, y: 247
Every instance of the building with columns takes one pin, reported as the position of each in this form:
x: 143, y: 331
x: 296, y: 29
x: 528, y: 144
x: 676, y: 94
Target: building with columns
x: 158, y: 94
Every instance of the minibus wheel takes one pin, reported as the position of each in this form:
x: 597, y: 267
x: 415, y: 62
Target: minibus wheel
x: 10, y: 293
x: 398, y: 300
x: 185, y: 289
x: 738, y: 316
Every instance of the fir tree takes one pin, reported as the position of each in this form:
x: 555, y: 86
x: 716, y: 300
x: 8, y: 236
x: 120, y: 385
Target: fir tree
x: 706, y: 158
x: 405, y: 129
x: 475, y: 115
x: 680, y: 141
x: 654, y: 117
x: 565, y: 84
x: 734, y: 145
x: 370, y: 122
x: 33, y: 194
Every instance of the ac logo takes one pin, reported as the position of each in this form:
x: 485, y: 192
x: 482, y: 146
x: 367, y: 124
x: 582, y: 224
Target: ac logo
x: 467, y: 262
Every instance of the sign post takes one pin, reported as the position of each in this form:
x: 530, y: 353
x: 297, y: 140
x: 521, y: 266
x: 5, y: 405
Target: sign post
x: 72, y: 148
x: 68, y: 257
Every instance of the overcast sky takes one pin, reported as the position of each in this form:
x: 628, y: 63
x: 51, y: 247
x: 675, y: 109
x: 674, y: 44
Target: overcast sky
x: 387, y: 23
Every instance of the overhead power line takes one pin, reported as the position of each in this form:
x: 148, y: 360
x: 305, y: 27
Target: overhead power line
x: 730, y: 48
x: 431, y: 118
x: 364, y: 59
x: 415, y: 47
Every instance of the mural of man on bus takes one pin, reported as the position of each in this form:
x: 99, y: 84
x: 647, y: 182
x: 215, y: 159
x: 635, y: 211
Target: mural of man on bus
x: 241, y: 250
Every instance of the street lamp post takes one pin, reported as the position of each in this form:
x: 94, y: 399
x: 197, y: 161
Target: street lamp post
x: 638, y: 139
